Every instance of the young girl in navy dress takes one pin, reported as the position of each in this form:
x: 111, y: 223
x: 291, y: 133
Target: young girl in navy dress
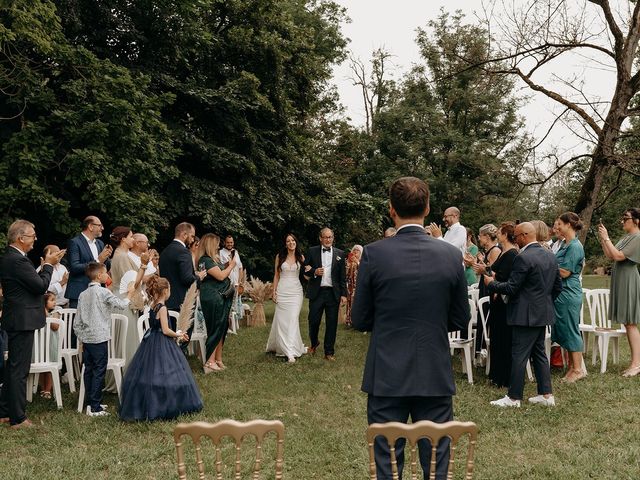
x: 158, y: 383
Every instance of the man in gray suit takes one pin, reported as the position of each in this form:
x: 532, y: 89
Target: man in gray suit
x: 411, y: 291
x: 532, y: 287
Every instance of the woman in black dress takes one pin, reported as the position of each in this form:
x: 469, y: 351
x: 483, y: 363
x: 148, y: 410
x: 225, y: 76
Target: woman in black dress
x: 499, y: 331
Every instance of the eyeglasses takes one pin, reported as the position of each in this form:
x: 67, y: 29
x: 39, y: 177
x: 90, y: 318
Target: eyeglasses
x: 518, y: 234
x: 96, y: 225
x: 30, y: 236
x: 625, y: 218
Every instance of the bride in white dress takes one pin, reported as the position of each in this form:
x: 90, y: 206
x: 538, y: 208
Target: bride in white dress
x: 284, y: 338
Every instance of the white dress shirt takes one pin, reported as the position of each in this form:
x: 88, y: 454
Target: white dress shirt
x: 457, y: 236
x: 327, y: 260
x: 92, y: 246
x: 55, y: 285
x: 136, y: 259
x: 234, y: 276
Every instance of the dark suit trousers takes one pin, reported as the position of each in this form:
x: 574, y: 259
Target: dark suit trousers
x: 398, y: 409
x: 528, y: 342
x: 325, y: 302
x: 14, y: 390
x: 95, y: 358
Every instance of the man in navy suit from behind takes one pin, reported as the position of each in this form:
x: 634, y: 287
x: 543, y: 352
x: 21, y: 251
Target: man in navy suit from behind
x: 82, y: 249
x: 411, y: 292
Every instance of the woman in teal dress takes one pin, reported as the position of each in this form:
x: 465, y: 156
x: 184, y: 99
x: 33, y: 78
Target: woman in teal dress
x: 472, y: 250
x: 215, y: 305
x: 566, y: 331
x: 624, y: 296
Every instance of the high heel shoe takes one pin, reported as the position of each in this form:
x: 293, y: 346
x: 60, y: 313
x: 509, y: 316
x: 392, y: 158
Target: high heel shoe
x: 210, y: 368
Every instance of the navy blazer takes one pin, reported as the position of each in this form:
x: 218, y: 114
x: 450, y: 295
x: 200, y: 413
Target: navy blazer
x: 23, y: 289
x: 411, y: 291
x: 78, y: 256
x: 338, y: 272
x: 532, y: 287
x: 176, y: 265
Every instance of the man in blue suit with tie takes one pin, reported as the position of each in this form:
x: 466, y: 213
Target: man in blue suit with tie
x: 82, y: 249
x: 411, y: 292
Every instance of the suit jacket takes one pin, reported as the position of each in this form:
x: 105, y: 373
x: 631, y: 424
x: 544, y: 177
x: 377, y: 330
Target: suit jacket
x: 78, y: 257
x: 411, y: 292
x: 338, y: 272
x: 23, y: 289
x: 176, y: 265
x: 532, y: 287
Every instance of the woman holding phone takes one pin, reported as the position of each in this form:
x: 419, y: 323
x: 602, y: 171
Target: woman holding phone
x: 624, y: 297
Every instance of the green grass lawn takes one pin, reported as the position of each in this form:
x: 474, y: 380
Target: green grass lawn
x: 592, y: 433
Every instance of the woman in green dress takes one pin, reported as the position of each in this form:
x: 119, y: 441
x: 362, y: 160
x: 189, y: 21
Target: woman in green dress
x: 472, y: 250
x: 566, y: 331
x: 215, y: 305
x: 624, y: 297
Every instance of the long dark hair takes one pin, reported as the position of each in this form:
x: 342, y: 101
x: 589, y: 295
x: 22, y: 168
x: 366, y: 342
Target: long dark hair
x: 282, y: 255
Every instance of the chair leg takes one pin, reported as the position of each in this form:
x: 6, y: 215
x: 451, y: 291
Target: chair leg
x: 488, y: 362
x: 529, y: 374
x: 616, y: 349
x: 117, y: 376
x: 596, y: 349
x: 467, y: 359
x: 203, y: 350
x: 68, y: 361
x: 57, y: 391
x: 30, y: 382
x: 81, y: 391
x: 605, y: 354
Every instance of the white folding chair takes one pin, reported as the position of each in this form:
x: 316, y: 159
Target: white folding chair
x: 598, y: 300
x: 586, y: 328
x: 196, y: 336
x: 466, y: 345
x: 485, y: 328
x: 473, y: 293
x: 143, y: 325
x: 233, y: 323
x: 42, y: 358
x: 70, y: 354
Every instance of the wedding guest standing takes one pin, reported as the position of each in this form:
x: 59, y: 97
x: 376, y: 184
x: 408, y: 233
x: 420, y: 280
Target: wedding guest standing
x: 472, y: 250
x: 122, y: 240
x: 456, y: 234
x: 409, y: 309
x: 566, y: 331
x: 22, y: 314
x: 236, y: 274
x: 159, y: 383
x: 353, y: 262
x: 82, y: 249
x: 216, y: 295
x: 624, y: 300
x: 284, y: 337
x: 500, y: 368
x: 59, y: 278
x: 327, y: 290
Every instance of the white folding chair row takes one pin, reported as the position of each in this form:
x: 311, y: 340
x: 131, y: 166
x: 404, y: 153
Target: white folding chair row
x: 197, y: 337
x: 598, y: 301
x: 117, y: 354
x: 42, y: 360
x: 70, y: 354
x: 466, y: 345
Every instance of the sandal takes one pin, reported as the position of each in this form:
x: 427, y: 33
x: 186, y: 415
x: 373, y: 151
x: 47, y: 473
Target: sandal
x: 631, y: 371
x: 46, y: 395
x: 221, y: 365
x: 210, y: 368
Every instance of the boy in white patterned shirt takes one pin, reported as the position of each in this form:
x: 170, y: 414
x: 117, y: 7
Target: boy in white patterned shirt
x: 92, y: 326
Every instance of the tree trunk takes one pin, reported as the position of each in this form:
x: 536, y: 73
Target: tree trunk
x: 590, y: 191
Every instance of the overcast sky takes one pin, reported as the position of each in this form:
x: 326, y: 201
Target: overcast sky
x: 393, y: 23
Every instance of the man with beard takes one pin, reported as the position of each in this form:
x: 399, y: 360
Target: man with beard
x: 456, y: 234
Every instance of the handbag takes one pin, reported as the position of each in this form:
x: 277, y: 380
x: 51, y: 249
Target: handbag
x: 229, y: 292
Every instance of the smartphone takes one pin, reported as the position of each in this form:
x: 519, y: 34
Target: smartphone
x: 233, y: 253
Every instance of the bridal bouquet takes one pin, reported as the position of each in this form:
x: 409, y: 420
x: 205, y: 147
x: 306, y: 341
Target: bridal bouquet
x: 259, y: 292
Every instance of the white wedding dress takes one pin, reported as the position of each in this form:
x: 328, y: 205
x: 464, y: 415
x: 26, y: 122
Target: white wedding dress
x: 284, y: 338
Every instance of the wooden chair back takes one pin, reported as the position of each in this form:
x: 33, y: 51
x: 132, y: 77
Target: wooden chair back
x: 237, y: 431
x: 392, y: 431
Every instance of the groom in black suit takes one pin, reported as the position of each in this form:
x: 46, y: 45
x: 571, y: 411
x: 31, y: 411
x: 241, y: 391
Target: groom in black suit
x: 326, y: 291
x: 411, y: 291
x: 23, y: 312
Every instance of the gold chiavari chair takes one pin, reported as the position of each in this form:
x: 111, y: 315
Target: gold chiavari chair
x: 237, y: 431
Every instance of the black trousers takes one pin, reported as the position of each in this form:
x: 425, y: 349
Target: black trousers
x: 399, y: 409
x: 13, y: 400
x: 95, y: 357
x: 325, y: 303
x: 528, y: 343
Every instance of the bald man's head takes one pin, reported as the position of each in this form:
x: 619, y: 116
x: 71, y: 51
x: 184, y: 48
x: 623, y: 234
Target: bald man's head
x: 140, y: 243
x: 451, y: 216
x: 525, y: 233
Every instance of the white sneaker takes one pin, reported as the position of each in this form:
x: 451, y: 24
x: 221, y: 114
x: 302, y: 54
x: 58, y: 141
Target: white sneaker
x: 506, y: 402
x: 541, y: 400
x: 101, y: 413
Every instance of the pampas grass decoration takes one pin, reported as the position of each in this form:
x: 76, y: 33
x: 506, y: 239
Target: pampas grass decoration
x: 259, y: 292
x: 185, y: 317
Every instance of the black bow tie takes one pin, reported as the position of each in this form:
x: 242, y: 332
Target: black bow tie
x: 328, y: 250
